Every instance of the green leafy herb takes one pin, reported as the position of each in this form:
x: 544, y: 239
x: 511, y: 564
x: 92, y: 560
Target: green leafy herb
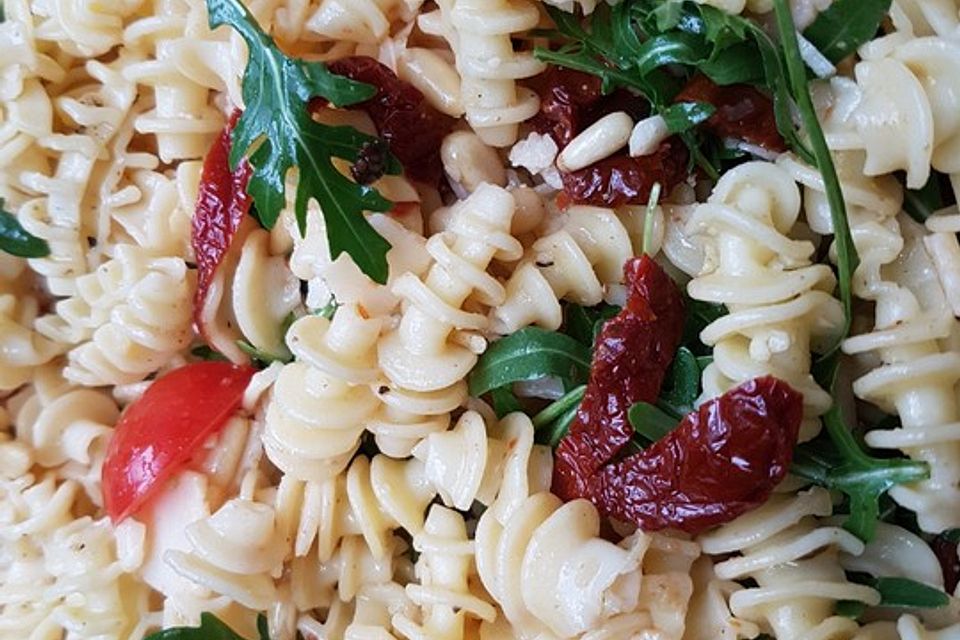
x: 263, y: 629
x: 847, y: 258
x: 924, y: 202
x: 328, y: 310
x: 554, y: 421
x: 276, y: 132
x: 952, y: 535
x: 650, y: 423
x: 909, y: 594
x: 699, y: 315
x: 261, y: 357
x: 584, y: 323
x: 839, y: 463
x: 205, y: 352
x: 845, y: 25
x: 852, y: 609
x: 504, y: 402
x: 17, y: 241
x: 529, y: 354
x: 681, y: 386
x: 684, y: 116
x: 211, y: 628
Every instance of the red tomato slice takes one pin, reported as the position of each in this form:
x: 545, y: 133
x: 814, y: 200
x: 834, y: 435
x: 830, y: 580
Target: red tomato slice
x: 157, y: 434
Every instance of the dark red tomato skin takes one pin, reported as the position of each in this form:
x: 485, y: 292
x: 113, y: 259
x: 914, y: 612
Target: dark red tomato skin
x: 621, y: 179
x: 633, y: 352
x: 413, y: 129
x: 571, y: 100
x: 743, y: 112
x: 159, y: 432
x: 721, y: 461
x: 946, y: 552
x: 222, y: 203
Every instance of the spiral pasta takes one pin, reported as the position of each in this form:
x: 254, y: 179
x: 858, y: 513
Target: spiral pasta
x: 794, y: 561
x: 372, y: 499
x: 131, y: 316
x: 582, y: 263
x: 93, y: 110
x: 479, y: 32
x: 363, y: 21
x: 443, y: 592
x: 906, y: 118
x: 21, y: 348
x: 182, y: 120
x: 66, y: 575
x: 236, y: 552
x: 320, y: 402
x: 427, y: 357
x: 780, y: 304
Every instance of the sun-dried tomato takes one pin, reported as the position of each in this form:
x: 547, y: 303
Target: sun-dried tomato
x: 222, y: 203
x: 621, y: 179
x: 570, y: 101
x: 721, y: 461
x: 633, y: 352
x: 413, y: 129
x: 743, y: 112
x: 946, y: 551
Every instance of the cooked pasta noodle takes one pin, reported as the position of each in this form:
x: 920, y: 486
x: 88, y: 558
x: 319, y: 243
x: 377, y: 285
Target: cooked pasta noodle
x: 779, y: 303
x: 357, y: 487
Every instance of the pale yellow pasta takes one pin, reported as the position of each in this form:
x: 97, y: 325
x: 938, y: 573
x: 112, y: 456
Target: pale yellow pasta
x: 480, y: 34
x: 582, y: 262
x: 794, y: 560
x: 780, y: 304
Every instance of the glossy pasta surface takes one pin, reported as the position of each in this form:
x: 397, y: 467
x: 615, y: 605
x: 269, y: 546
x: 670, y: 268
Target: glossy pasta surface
x: 389, y: 471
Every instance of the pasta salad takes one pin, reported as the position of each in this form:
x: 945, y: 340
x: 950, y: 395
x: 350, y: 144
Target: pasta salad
x: 479, y: 319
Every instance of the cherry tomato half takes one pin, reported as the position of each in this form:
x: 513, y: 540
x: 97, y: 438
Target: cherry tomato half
x: 157, y: 434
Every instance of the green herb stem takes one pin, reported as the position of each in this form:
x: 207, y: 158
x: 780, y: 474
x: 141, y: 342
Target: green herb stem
x: 560, y: 406
x: 847, y: 258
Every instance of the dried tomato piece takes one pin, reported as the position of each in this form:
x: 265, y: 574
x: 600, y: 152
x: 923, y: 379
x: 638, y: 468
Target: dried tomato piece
x: 721, y: 461
x: 413, y: 129
x: 222, y: 203
x: 946, y: 552
x: 632, y: 355
x: 570, y: 101
x: 743, y: 112
x: 621, y: 179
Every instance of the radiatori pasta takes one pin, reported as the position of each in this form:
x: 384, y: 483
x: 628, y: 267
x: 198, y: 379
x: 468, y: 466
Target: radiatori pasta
x: 420, y: 360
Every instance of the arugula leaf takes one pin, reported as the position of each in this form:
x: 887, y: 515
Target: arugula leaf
x: 845, y: 25
x: 276, y: 132
x: 650, y: 423
x: 924, y: 202
x: 261, y: 357
x: 847, y: 258
x: 681, y: 386
x: 852, y: 609
x: 211, y: 628
x: 529, y: 354
x: 553, y: 422
x: 504, y: 402
x: 584, y: 323
x: 909, y: 594
x: 16, y: 240
x: 205, y: 352
x: 838, y: 462
x: 683, y: 116
x: 699, y: 315
x: 263, y: 629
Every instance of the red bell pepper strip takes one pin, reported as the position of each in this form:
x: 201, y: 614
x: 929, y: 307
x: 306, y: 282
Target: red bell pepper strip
x: 157, y: 434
